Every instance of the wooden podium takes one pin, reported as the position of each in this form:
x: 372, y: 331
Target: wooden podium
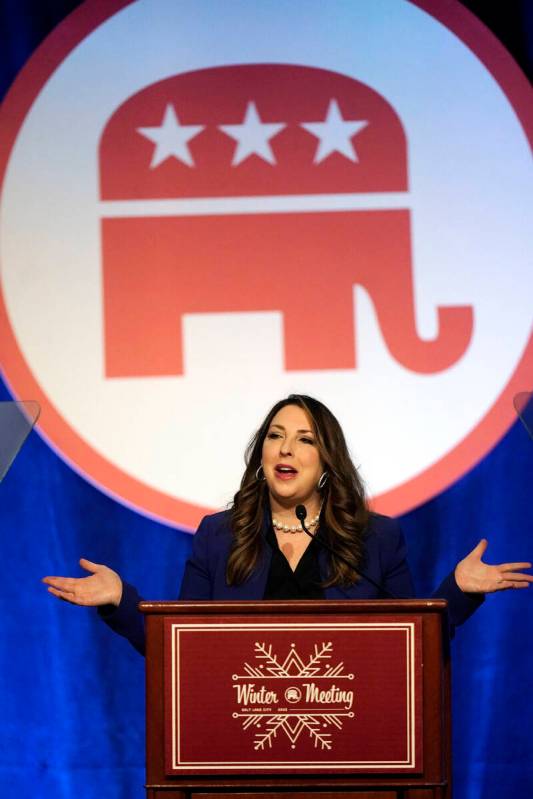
x: 297, y: 700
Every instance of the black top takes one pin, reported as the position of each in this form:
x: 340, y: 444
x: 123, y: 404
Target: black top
x: 283, y: 582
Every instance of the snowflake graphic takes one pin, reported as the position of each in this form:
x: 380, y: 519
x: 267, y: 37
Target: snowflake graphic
x: 293, y: 723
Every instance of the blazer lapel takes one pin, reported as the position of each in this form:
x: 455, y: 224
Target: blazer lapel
x: 254, y: 587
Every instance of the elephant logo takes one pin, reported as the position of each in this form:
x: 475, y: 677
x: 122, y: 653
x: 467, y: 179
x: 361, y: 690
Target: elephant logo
x: 293, y: 694
x: 257, y: 199
x: 198, y: 222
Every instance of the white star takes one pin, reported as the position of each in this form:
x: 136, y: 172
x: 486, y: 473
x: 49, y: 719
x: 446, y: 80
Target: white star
x: 335, y: 134
x: 171, y: 138
x: 252, y: 136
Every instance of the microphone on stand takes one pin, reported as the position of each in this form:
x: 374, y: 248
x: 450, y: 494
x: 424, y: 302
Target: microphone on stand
x: 301, y: 513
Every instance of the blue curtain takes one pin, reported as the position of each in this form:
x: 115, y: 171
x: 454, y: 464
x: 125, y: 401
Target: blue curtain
x: 72, y: 721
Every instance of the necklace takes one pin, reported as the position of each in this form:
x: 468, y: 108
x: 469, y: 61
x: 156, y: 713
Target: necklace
x: 295, y: 528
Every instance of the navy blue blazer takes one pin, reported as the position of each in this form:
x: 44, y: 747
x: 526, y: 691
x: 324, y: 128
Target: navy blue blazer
x: 205, y: 575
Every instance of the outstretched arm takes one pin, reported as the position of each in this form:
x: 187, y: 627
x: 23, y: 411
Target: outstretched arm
x: 466, y: 586
x: 102, y: 587
x: 473, y: 576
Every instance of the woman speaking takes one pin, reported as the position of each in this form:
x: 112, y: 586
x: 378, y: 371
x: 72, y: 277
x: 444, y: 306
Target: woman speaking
x: 258, y: 549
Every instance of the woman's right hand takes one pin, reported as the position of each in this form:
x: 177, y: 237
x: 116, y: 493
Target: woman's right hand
x: 102, y: 587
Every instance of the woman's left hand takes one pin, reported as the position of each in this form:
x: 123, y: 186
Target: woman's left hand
x: 475, y: 577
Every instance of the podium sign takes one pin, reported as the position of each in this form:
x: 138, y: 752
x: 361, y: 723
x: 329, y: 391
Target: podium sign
x: 293, y: 696
x: 300, y: 699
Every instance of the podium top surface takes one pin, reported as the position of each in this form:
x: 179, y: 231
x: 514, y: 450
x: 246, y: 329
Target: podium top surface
x: 269, y: 607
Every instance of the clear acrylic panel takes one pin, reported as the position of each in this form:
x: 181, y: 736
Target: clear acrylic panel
x: 16, y: 423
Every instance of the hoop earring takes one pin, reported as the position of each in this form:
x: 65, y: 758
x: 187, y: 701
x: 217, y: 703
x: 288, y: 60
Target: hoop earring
x: 257, y: 475
x: 323, y: 480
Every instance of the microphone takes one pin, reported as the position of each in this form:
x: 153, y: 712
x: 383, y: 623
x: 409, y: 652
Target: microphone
x: 301, y: 513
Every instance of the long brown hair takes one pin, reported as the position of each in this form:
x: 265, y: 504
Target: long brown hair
x: 344, y: 513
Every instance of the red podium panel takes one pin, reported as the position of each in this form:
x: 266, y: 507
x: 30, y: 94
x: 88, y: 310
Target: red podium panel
x: 307, y: 700
x: 300, y: 697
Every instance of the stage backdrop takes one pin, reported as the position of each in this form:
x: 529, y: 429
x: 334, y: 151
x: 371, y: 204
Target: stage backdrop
x: 204, y: 207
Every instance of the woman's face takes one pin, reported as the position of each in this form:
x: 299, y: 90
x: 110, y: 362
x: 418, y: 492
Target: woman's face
x: 290, y: 458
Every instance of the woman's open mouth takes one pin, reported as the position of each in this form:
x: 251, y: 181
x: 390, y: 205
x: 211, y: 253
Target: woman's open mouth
x: 285, y: 472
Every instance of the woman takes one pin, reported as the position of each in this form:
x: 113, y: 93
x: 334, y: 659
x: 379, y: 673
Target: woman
x: 258, y: 549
